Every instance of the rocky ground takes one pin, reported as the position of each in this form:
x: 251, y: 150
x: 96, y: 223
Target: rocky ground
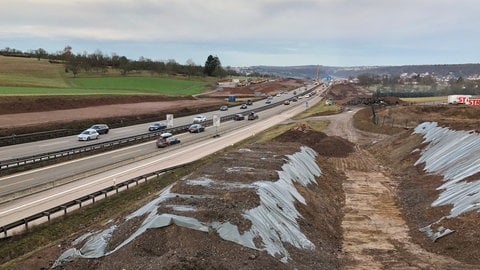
x: 365, y: 212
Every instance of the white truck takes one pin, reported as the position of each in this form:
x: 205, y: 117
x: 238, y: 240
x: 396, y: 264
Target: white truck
x: 458, y: 99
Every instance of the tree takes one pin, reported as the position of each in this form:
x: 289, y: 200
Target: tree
x: 40, y: 53
x: 212, y: 65
x: 67, y: 52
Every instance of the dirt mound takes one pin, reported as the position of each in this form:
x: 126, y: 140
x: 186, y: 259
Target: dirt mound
x: 265, y: 88
x: 326, y: 146
x: 26, y: 104
x: 230, y: 175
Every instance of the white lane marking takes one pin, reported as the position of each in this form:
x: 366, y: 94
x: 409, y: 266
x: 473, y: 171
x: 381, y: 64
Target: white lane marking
x: 193, y: 147
x: 72, y: 161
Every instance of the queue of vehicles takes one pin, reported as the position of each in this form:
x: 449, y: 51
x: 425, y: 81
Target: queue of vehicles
x: 197, y: 126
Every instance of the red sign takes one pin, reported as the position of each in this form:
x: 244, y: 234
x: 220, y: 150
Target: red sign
x: 461, y: 99
x: 473, y: 101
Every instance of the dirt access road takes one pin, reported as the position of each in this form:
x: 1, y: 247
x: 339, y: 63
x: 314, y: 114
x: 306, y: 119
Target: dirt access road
x: 375, y: 235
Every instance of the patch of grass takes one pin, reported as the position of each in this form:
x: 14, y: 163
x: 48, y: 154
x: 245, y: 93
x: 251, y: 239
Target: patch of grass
x: 38, y: 91
x: 29, y: 72
x: 362, y: 120
x: 425, y: 99
x: 29, y: 76
x: 115, y: 86
x: 166, y: 86
x: 319, y: 109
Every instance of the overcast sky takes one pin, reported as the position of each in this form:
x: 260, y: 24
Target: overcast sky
x: 251, y: 32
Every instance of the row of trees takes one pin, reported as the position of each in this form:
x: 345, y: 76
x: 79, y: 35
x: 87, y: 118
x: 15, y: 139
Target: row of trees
x: 99, y: 62
x: 372, y: 79
x: 395, y: 86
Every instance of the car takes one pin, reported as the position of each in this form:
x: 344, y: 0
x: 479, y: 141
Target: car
x: 238, y: 117
x: 243, y: 106
x: 249, y: 102
x: 196, y: 128
x: 88, y: 134
x: 294, y: 99
x: 252, y: 116
x: 157, y: 126
x: 101, y: 128
x: 199, y: 119
x: 268, y: 101
x: 223, y: 108
x: 286, y: 102
x: 166, y: 139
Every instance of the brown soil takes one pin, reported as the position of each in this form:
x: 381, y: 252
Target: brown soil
x: 28, y: 114
x: 365, y: 212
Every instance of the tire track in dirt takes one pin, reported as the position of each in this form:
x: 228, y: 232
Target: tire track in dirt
x: 375, y: 235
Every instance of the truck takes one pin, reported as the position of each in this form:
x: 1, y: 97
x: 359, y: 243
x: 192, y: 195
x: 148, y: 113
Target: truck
x: 458, y: 99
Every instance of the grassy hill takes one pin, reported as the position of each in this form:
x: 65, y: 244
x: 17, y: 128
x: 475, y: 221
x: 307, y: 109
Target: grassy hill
x: 29, y: 76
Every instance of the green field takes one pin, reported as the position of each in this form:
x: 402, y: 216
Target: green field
x: 426, y: 99
x: 27, y: 76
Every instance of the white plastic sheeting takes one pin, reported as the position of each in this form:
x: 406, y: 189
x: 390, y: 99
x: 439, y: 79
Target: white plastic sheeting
x: 274, y: 221
x: 456, y: 156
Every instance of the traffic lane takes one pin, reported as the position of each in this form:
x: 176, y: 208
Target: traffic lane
x: 61, y: 173
x: 58, y: 144
x: 42, y: 201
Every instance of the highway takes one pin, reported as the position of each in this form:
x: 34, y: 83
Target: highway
x: 57, y: 144
x: 70, y: 180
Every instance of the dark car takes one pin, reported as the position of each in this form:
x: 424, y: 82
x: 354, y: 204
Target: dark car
x: 252, y: 116
x: 196, y: 128
x: 249, y: 102
x: 238, y: 117
x: 157, y: 126
x: 243, y: 106
x: 223, y: 108
x: 166, y: 139
x: 100, y: 128
x: 286, y: 102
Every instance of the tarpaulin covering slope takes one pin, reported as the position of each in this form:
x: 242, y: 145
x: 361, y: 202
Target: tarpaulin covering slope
x: 274, y: 221
x: 456, y: 156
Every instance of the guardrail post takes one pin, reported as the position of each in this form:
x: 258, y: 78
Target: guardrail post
x: 48, y: 215
x: 92, y: 197
x: 116, y: 189
x: 79, y: 202
x: 26, y: 224
x: 105, y: 193
x: 4, y: 232
x: 64, y: 210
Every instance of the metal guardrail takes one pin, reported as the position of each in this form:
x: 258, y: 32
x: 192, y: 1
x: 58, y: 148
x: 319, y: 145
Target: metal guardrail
x: 22, y: 138
x: 78, y: 202
x: 104, y: 192
x: 113, y: 144
x: 29, y: 160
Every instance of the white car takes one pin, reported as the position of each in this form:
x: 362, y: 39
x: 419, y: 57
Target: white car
x: 199, y: 119
x: 88, y: 134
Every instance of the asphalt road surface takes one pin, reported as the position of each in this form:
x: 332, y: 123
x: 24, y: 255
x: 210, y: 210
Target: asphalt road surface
x: 84, y: 184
